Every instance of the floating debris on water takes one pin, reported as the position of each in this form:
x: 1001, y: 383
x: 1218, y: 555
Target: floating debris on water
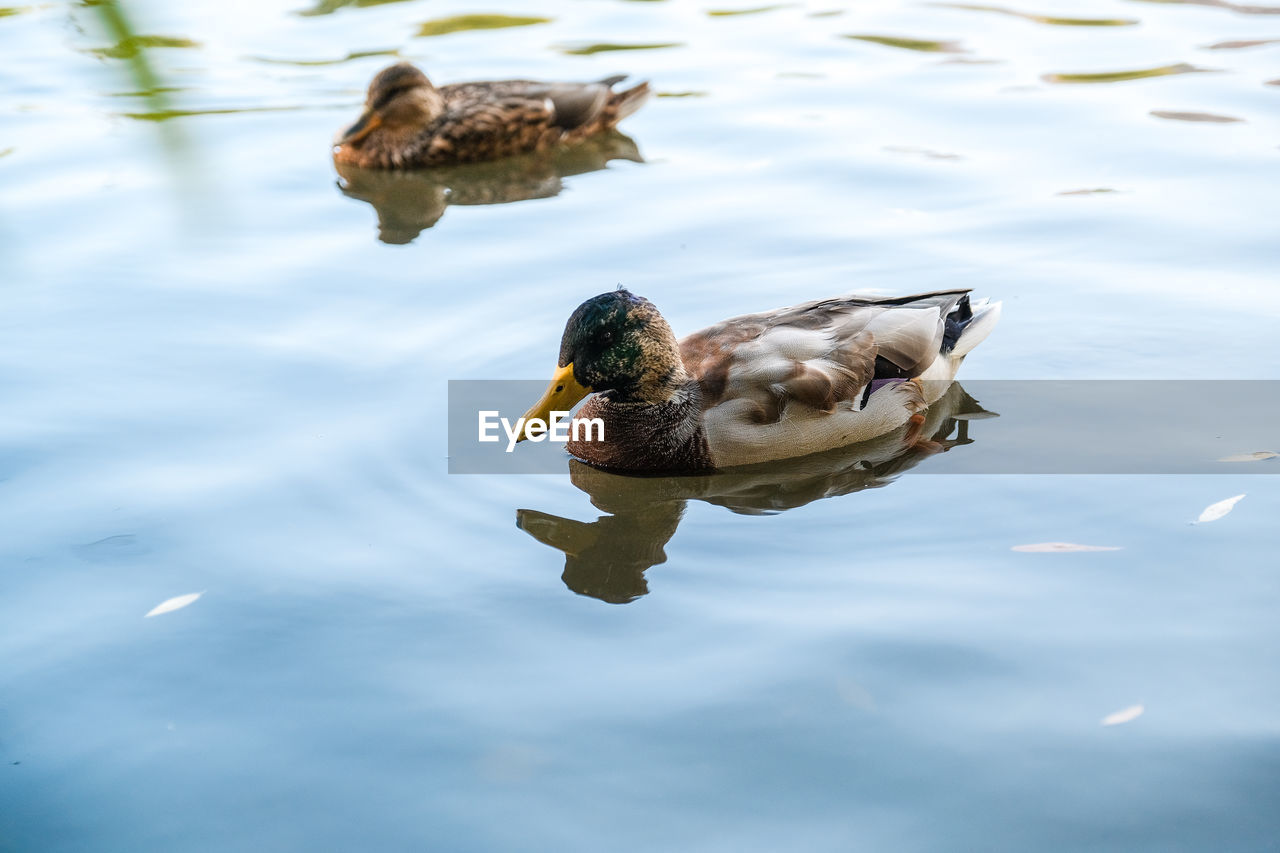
x: 1251, y: 457
x: 1213, y: 512
x: 172, y: 604
x: 1124, y: 715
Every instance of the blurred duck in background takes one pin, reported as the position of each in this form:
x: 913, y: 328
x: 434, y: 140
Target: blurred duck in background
x: 409, y: 123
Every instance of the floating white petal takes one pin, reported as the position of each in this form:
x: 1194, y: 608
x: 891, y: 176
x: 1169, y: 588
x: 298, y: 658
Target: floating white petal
x: 1062, y: 548
x: 173, y: 604
x: 1250, y: 457
x: 1213, y: 512
x: 1124, y: 715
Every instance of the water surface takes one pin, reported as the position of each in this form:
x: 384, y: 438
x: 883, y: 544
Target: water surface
x: 224, y: 370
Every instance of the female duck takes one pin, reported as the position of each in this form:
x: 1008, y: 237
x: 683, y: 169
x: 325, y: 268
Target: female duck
x: 765, y: 386
x: 408, y: 123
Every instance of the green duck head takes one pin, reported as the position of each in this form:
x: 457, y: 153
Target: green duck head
x: 616, y: 344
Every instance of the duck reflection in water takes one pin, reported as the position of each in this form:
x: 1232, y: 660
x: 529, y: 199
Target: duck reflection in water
x: 607, y: 558
x: 409, y: 202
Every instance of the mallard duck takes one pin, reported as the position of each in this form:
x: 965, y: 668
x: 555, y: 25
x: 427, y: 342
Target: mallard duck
x: 408, y: 123
x: 755, y: 388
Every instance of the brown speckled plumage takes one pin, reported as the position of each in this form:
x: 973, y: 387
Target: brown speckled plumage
x: 409, y: 123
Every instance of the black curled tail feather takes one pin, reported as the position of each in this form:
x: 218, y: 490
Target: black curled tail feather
x: 955, y: 323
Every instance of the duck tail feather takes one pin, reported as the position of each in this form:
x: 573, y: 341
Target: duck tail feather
x: 628, y: 101
x: 968, y: 325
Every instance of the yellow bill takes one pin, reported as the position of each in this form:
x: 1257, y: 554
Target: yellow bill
x: 562, y: 394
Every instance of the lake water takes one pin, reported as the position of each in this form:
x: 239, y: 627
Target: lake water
x: 221, y: 374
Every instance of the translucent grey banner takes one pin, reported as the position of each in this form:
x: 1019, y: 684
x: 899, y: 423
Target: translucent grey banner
x: 978, y: 427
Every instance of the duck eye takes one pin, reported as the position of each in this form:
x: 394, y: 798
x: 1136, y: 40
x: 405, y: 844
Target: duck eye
x: 607, y: 337
x: 559, y: 388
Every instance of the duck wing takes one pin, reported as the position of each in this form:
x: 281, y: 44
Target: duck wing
x: 566, y: 105
x: 817, y: 355
x: 577, y: 104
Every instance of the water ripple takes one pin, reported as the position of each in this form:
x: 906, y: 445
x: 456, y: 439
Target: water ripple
x: 1051, y: 20
x: 1211, y: 118
x: 922, y: 45
x: 607, y: 47
x: 1122, y: 76
x: 328, y: 7
x: 927, y: 153
x: 1220, y: 4
x: 309, y: 63
x: 130, y: 47
x: 730, y: 13
x: 166, y: 115
x: 463, y: 23
x: 1240, y: 44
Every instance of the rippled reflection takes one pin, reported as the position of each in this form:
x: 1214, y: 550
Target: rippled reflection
x: 610, y: 47
x: 921, y: 45
x: 410, y: 202
x: 607, y: 558
x: 328, y: 7
x: 463, y: 23
x: 1124, y: 76
x: 1239, y: 8
x: 1210, y: 118
x: 1051, y: 20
